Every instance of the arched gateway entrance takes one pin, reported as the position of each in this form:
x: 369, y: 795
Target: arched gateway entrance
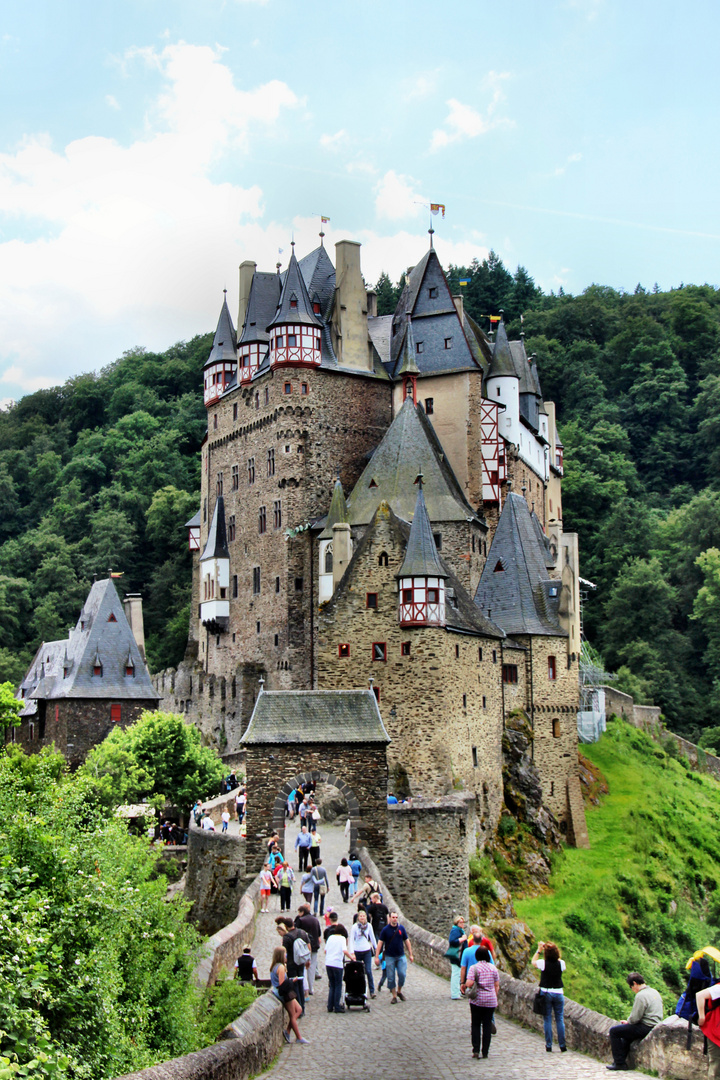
x: 331, y: 736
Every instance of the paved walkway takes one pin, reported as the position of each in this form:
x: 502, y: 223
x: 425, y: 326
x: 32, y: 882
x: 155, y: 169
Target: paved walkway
x: 426, y: 1037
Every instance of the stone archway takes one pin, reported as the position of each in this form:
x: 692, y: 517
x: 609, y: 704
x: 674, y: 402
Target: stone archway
x: 319, y: 777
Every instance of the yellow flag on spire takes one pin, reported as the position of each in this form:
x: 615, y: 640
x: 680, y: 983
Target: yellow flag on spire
x: 436, y: 207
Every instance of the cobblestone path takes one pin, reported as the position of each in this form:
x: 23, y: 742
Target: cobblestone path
x: 427, y: 1037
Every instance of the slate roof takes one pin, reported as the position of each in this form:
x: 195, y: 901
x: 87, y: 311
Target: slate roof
x: 262, y: 305
x: 194, y: 521
x: 409, y: 446
x: 101, y: 631
x: 421, y: 554
x: 319, y: 275
x: 380, y: 331
x: 514, y: 585
x: 408, y: 365
x: 338, y: 511
x: 216, y: 545
x: 294, y: 288
x: 224, y: 346
x: 315, y: 716
x: 503, y: 362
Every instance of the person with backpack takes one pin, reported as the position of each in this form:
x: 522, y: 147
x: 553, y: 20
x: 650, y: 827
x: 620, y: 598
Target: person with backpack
x: 699, y: 979
x: 296, y: 943
x: 377, y: 913
x: 307, y: 922
x: 551, y: 983
x: 321, y: 886
x: 708, y: 1007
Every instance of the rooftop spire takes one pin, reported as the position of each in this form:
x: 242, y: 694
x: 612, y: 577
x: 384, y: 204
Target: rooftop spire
x: 409, y: 364
x: 421, y: 557
x: 338, y: 511
x: 294, y: 305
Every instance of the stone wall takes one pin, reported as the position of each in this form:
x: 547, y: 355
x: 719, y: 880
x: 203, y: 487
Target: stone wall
x: 215, y: 872
x: 429, y: 847
x: 359, y: 770
x: 75, y: 725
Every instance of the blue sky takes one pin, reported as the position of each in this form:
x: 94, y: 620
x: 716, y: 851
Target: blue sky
x: 147, y: 147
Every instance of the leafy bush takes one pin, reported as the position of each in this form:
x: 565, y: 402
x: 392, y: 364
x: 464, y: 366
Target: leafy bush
x: 508, y: 826
x: 223, y: 1003
x: 482, y: 881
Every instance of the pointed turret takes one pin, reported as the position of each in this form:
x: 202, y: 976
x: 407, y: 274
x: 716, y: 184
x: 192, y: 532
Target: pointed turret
x: 502, y: 364
x: 338, y: 510
x: 215, y: 574
x: 295, y: 329
x: 408, y: 371
x: 421, y: 578
x: 221, y: 365
x: 263, y: 297
x: 337, y: 517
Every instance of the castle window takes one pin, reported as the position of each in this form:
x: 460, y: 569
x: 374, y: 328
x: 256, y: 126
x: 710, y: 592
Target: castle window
x: 235, y: 411
x: 475, y: 757
x: 457, y: 652
x: 32, y: 733
x: 287, y: 449
x: 371, y: 600
x: 287, y: 388
x: 480, y: 655
x: 552, y: 788
x: 419, y: 346
x: 429, y: 406
x: 97, y: 669
x: 267, y: 395
x: 256, y: 580
x: 407, y: 596
x: 215, y: 420
x: 231, y: 528
x: 383, y: 558
x: 277, y: 584
x: 251, y: 470
x: 257, y: 399
x: 343, y: 651
x: 262, y: 520
x: 235, y: 586
x: 556, y: 728
x: 433, y: 597
x: 379, y: 650
x: 279, y: 341
x: 277, y: 639
x: 437, y: 537
x: 375, y: 690
x: 328, y: 559
x: 499, y: 568
x: 494, y: 656
x: 235, y: 480
x: 303, y: 388
x: 277, y: 514
x: 115, y: 713
x: 552, y: 670
x: 130, y: 670
x: 509, y: 673
x: 316, y: 307
x: 111, y: 617
x: 298, y: 584
x: 372, y: 484
x: 293, y: 302
x: 292, y: 339
x: 448, y: 343
x: 257, y: 627
x: 484, y: 702
x: 464, y: 701
x: 219, y: 483
x: 82, y: 625
x: 553, y: 590
x: 432, y: 292
x: 405, y: 648
x: 271, y: 462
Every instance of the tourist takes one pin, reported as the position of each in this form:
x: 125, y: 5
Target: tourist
x: 303, y: 809
x: 335, y: 950
x: 291, y: 803
x: 482, y: 983
x: 377, y: 913
x: 344, y: 877
x: 296, y: 966
x: 457, y: 940
x: 356, y: 867
x: 285, y: 879
x: 240, y: 805
x: 313, y: 816
x: 225, y: 820
x: 476, y: 940
x: 245, y: 967
x: 284, y: 988
x: 273, y: 841
x: 393, y: 939
x: 302, y: 846
x: 315, y: 841
x: 266, y: 884
x: 647, y: 1011
x: 197, y: 811
x: 306, y: 887
x: 391, y: 800
x: 363, y: 895
x: 709, y: 1023
x: 207, y: 823
x: 307, y: 922
x: 321, y: 886
x: 551, y: 969
x: 362, y: 944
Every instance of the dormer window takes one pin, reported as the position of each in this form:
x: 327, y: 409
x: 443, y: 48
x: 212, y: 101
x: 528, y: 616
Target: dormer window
x: 130, y: 668
x: 419, y: 346
x: 111, y: 617
x: 293, y: 302
x: 432, y: 292
x: 316, y: 307
x: 499, y: 568
x: 97, y: 668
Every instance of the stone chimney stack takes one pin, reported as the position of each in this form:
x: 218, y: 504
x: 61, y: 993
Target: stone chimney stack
x: 372, y: 304
x: 342, y: 551
x: 247, y: 272
x: 350, y: 333
x: 134, y: 615
x: 459, y: 307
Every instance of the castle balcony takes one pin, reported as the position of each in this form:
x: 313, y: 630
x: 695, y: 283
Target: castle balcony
x: 422, y: 601
x: 215, y: 615
x: 217, y: 377
x: 295, y: 344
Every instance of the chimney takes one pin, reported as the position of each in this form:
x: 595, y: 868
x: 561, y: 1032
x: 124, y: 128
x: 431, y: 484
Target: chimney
x: 247, y: 272
x: 134, y: 615
x: 458, y: 302
x: 350, y: 335
x: 372, y: 304
x: 342, y: 551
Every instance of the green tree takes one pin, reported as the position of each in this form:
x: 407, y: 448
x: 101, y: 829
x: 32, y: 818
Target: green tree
x: 9, y: 708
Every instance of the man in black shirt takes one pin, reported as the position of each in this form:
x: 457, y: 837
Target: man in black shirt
x: 377, y: 913
x: 307, y: 922
x: 245, y: 966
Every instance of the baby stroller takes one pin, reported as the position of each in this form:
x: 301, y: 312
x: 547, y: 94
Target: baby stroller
x: 355, y: 985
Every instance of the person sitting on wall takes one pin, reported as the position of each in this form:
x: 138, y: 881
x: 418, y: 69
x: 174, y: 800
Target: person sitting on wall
x: 245, y: 967
x: 646, y: 1013
x: 207, y: 822
x: 391, y: 800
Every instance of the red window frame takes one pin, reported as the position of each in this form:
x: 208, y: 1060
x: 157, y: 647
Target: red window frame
x: 116, y: 713
x: 404, y: 648
x: 510, y: 674
x: 381, y: 648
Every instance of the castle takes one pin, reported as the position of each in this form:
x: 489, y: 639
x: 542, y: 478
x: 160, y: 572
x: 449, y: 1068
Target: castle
x: 381, y: 505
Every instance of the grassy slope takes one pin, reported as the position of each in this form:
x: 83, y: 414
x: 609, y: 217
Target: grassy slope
x: 654, y: 844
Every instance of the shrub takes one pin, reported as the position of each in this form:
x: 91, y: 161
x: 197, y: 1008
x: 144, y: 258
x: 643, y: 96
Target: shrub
x: 223, y: 1003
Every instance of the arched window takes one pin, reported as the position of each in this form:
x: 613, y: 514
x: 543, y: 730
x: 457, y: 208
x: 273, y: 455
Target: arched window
x: 383, y: 558
x: 328, y: 559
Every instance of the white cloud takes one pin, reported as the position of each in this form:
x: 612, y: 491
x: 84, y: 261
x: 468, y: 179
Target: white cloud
x: 464, y: 122
x: 572, y: 159
x: 140, y: 241
x: 396, y: 197
x: 111, y: 101
x: 397, y: 252
x: 419, y: 87
x: 334, y: 142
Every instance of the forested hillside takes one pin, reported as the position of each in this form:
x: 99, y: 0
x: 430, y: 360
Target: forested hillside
x: 103, y: 471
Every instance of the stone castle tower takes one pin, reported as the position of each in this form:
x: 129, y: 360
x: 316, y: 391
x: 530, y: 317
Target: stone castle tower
x: 381, y: 500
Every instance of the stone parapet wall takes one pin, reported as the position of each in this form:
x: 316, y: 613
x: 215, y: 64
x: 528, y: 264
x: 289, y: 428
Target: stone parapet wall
x: 215, y: 876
